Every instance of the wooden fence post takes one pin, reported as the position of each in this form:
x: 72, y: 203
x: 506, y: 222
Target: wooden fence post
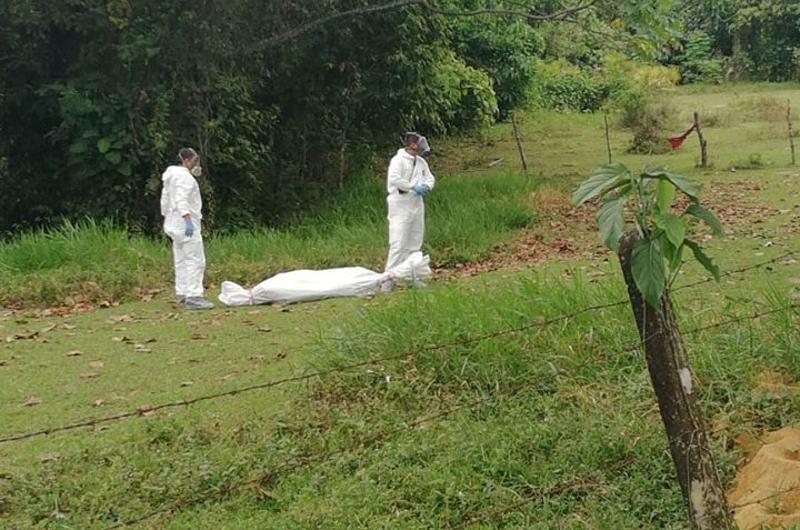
x: 674, y: 387
x: 791, y: 132
x: 703, y: 141
x: 519, y: 142
x: 608, y: 136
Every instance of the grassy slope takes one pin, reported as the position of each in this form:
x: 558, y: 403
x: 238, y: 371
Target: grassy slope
x: 585, y: 411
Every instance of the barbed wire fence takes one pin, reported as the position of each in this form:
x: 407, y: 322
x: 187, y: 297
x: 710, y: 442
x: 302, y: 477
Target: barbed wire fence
x: 380, y: 436
x: 149, y: 409
x: 532, y: 495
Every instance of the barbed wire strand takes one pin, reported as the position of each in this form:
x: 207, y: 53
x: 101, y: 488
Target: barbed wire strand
x: 181, y: 503
x: 148, y: 409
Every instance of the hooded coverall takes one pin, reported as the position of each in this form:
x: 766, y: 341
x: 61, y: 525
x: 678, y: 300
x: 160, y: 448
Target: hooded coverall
x: 180, y: 195
x: 406, y: 208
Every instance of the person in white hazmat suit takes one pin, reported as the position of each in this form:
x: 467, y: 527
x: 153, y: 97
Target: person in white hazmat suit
x: 409, y: 179
x: 181, y: 206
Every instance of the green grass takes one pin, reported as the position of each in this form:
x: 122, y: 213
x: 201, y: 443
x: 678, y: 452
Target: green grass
x: 569, y: 403
x: 558, y: 426
x: 93, y: 261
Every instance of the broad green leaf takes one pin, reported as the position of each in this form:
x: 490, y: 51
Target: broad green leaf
x: 673, y: 226
x: 710, y: 219
x: 673, y: 254
x: 611, y: 220
x: 115, y: 157
x: 602, y: 180
x: 647, y: 267
x: 103, y: 145
x: 704, y: 259
x: 682, y: 183
x: 78, y: 147
x: 665, y: 194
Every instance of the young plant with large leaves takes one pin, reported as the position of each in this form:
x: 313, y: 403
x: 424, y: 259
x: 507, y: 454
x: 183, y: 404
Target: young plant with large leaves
x: 648, y: 199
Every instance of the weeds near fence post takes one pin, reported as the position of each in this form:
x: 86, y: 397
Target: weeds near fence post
x: 651, y: 256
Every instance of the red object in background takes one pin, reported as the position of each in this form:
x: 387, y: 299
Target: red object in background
x: 676, y: 141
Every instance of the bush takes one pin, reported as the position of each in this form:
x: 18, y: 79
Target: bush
x: 564, y: 87
x: 649, y: 121
x: 697, y: 64
x: 625, y: 75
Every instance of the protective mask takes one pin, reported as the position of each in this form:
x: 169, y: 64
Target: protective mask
x: 196, y: 171
x: 423, y: 147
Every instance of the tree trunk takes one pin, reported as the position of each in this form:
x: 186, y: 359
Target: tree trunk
x: 677, y: 401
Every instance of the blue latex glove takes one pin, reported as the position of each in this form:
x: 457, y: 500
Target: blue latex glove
x: 189, y: 228
x: 421, y: 189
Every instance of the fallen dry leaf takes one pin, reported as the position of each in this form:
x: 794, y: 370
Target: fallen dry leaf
x: 199, y: 336
x: 121, y: 339
x: 98, y: 402
x: 97, y: 365
x: 187, y: 383
x: 48, y: 457
x: 68, y: 327
x: 121, y: 319
x: 89, y: 375
x: 74, y: 353
x: 141, y: 348
x: 26, y: 335
x: 265, y: 329
x: 33, y: 401
x: 3, y: 363
x: 49, y: 328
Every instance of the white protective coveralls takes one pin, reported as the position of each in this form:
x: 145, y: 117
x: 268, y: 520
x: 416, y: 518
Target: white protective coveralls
x: 406, y: 208
x: 180, y: 195
x: 307, y: 285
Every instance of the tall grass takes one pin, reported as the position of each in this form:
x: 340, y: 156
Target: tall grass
x: 96, y: 260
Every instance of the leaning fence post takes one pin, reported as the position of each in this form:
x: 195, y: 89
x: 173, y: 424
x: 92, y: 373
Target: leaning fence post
x: 519, y: 142
x: 675, y: 391
x: 791, y: 132
x: 703, y: 141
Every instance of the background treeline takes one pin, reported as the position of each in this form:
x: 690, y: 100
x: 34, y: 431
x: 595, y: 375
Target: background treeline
x: 97, y: 95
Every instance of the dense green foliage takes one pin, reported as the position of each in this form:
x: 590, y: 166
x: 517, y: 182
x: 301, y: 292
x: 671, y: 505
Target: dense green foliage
x: 758, y: 39
x: 98, y: 96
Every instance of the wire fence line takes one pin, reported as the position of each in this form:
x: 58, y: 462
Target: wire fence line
x: 377, y: 437
x: 150, y: 409
x: 532, y: 495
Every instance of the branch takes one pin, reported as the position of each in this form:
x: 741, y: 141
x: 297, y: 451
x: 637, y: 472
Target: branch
x: 293, y: 33
x: 558, y: 15
x: 308, y: 26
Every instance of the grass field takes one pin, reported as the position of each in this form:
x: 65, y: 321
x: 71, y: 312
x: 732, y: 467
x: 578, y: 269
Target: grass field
x: 553, y: 426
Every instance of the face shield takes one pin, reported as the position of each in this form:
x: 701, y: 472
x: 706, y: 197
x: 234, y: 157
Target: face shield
x: 423, y: 147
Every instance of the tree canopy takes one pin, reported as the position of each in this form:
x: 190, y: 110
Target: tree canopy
x: 287, y: 101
